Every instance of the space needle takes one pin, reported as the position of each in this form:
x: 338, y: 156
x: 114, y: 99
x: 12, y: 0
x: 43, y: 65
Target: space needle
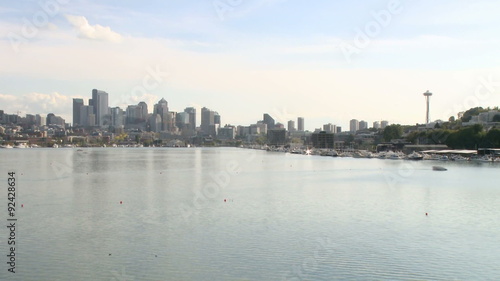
x: 427, y: 100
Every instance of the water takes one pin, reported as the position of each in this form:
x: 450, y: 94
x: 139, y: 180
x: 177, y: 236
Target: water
x: 286, y: 217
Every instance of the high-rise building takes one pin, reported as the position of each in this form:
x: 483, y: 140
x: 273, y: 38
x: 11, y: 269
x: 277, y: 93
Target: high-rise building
x: 192, y: 117
x: 207, y: 121
x: 161, y: 108
x: 133, y: 114
x: 269, y: 121
x: 300, y: 124
x: 353, y: 126
x: 117, y: 117
x: 291, y: 126
x: 143, y: 111
x: 155, y: 122
x: 363, y: 125
x: 40, y: 120
x: 87, y: 116
x: 384, y: 124
x: 339, y: 129
x: 77, y: 103
x: 182, y: 120
x: 52, y: 119
x: 329, y: 128
x: 101, y: 109
x: 376, y: 125
x: 217, y: 119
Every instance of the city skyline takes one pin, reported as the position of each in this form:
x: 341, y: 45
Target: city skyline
x: 199, y: 54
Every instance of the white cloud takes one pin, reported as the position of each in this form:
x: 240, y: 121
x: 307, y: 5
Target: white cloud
x: 37, y: 103
x: 94, y: 32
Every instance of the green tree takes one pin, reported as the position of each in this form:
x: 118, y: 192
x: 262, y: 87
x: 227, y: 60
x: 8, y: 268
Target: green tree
x: 394, y: 131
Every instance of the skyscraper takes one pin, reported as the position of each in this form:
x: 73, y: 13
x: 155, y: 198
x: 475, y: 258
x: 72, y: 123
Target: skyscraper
x: 291, y: 126
x: 144, y: 111
x: 100, y: 103
x: 376, y: 125
x: 363, y: 125
x: 300, y: 124
x: 207, y: 120
x: 77, y: 103
x: 329, y: 128
x: 353, y: 126
x: 192, y: 117
x: 161, y: 108
x: 384, y: 124
x: 269, y: 121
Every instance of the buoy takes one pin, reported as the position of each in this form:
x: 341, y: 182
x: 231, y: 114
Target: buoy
x: 426, y: 214
x: 22, y: 205
x: 224, y: 200
x: 121, y: 202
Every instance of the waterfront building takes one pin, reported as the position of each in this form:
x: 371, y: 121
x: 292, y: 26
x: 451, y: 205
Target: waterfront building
x: 323, y: 139
x: 276, y: 137
x: 227, y: 133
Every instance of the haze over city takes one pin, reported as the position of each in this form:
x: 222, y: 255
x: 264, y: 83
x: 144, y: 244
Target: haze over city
x: 243, y: 58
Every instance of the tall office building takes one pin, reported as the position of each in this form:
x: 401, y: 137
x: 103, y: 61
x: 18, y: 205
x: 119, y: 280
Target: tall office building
x: 291, y: 126
x: 217, y: 119
x: 117, y: 117
x: 192, y: 117
x: 182, y: 120
x: 384, y: 124
x: 143, y: 112
x: 363, y: 125
x: 376, y: 125
x: 100, y: 104
x: 77, y: 103
x: 161, y: 108
x: 300, y: 124
x: 207, y: 120
x: 353, y: 126
x: 329, y: 128
x: 87, y: 116
x: 269, y: 121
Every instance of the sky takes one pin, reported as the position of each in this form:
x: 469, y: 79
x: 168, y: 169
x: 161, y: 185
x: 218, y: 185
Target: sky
x: 327, y: 61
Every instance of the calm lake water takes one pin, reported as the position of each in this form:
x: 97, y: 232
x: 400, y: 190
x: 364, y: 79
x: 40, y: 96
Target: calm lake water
x: 238, y: 214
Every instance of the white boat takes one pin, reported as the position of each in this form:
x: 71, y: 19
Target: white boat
x: 443, y: 158
x: 55, y: 145
x: 484, y: 158
x: 415, y: 156
x: 459, y: 158
x: 6, y: 146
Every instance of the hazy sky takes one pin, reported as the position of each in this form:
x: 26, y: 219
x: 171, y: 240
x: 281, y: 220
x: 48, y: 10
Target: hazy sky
x: 328, y: 61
